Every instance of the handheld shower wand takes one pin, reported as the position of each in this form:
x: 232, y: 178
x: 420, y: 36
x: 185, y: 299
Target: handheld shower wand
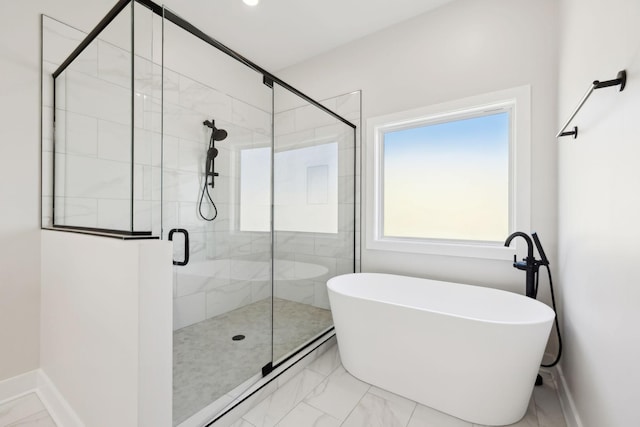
x: 209, y: 167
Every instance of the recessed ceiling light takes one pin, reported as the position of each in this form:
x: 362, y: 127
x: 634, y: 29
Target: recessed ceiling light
x: 251, y: 2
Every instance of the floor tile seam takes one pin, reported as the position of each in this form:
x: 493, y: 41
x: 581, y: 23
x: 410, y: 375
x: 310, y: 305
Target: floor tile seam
x: 389, y: 403
x: 413, y: 412
x: 322, y: 373
x: 277, y: 424
x: 356, y: 405
x: 296, y: 403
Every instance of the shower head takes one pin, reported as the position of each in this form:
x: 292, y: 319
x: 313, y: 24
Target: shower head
x: 219, y: 134
x: 216, y: 134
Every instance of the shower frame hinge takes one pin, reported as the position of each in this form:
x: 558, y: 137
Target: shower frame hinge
x: 268, y: 81
x: 266, y: 369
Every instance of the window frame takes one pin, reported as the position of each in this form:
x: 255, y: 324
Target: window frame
x: 517, y: 101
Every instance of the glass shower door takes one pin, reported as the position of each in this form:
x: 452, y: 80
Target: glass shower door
x: 217, y: 138
x: 313, y: 217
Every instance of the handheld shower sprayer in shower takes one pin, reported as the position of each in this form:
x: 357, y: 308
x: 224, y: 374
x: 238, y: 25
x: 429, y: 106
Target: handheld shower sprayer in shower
x: 209, y: 167
x: 212, y: 151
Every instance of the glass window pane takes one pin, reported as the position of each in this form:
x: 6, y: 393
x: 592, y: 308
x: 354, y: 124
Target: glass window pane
x: 448, y: 180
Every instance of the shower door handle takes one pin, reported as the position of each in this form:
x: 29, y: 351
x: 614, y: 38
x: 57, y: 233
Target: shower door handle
x: 186, y: 244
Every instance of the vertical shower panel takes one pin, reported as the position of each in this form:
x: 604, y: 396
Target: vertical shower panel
x: 106, y: 131
x: 213, y: 103
x: 147, y: 120
x: 93, y: 132
x: 313, y: 216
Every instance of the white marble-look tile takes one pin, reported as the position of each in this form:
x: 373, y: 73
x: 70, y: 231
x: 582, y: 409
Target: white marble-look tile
x: 250, y: 117
x: 321, y: 295
x: 295, y: 140
x: 301, y: 291
x: 184, y: 123
x: 308, y: 416
x: 147, y: 112
x: 242, y: 423
x: 83, y: 90
x: 547, y: 403
x: 530, y: 418
x: 114, y: 141
x: 260, y: 289
x: 338, y: 394
x: 142, y: 182
x: 272, y: 409
x: 227, y: 298
x: 192, y: 156
x: 284, y: 122
x: 79, y: 212
x: 81, y: 134
x: 311, y: 117
x: 148, y: 77
x: 171, y: 86
x: 91, y: 177
x: 143, y: 215
x: 214, y: 275
x: 327, y: 362
x: 424, y: 416
x: 346, y: 220
x: 203, y: 99
x: 188, y: 310
x: 114, y: 64
x: 329, y: 264
x: 170, y: 152
x: 374, y: 410
x: 20, y: 408
x: 114, y: 214
x: 143, y: 143
x: 345, y: 189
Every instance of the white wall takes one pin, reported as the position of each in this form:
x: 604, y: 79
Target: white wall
x: 599, y: 207
x: 106, y: 340
x: 462, y: 49
x: 20, y: 171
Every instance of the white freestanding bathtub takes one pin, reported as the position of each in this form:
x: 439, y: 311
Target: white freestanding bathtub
x: 468, y: 351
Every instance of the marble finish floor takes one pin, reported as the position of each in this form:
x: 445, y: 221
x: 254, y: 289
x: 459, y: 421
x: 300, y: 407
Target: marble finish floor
x: 208, y: 364
x: 25, y: 411
x: 324, y: 394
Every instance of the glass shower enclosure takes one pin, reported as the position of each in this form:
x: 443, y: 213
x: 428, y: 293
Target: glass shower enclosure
x: 153, y: 129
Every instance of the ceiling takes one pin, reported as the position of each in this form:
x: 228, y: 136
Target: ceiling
x: 278, y: 33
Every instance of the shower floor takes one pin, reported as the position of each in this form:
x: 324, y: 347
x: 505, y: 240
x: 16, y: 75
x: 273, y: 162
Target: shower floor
x: 208, y: 363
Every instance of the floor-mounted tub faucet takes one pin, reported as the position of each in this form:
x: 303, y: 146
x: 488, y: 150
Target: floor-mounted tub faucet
x: 528, y: 264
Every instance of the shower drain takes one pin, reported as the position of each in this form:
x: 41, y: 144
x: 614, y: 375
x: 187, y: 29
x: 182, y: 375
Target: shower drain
x: 237, y: 337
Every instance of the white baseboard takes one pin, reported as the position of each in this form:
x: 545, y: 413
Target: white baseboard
x: 18, y: 386
x: 38, y: 382
x: 566, y: 400
x: 59, y: 409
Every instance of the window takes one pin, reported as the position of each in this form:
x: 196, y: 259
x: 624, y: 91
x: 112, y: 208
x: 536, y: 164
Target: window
x: 305, y: 189
x: 451, y: 179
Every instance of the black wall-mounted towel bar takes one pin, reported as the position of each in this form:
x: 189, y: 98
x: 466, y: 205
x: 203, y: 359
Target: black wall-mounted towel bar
x: 620, y: 80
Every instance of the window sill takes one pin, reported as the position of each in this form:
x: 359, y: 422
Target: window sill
x: 488, y: 250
